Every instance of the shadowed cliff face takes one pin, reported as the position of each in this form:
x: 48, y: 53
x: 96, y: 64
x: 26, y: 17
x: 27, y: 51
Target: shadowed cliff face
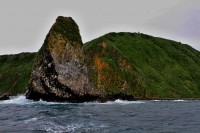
x: 60, y: 72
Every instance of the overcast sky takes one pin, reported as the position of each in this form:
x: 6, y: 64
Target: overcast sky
x: 24, y: 24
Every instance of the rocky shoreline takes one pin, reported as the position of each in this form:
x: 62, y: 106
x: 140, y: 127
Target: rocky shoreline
x: 99, y: 99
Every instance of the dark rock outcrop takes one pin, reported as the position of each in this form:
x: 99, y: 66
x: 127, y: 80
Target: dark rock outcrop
x: 60, y: 72
x: 4, y: 97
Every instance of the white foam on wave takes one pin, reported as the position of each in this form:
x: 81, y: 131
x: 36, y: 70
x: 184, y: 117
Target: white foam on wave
x: 179, y: 100
x: 118, y: 101
x: 16, y: 100
x: 30, y: 120
x: 156, y: 100
x: 50, y: 103
x: 74, y: 127
x: 21, y: 100
x: 124, y: 102
x: 59, y: 128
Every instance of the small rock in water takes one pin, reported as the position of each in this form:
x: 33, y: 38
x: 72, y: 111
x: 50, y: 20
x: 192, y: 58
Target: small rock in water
x: 4, y: 97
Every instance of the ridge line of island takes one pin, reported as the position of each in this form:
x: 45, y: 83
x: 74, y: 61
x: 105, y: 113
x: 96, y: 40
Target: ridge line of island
x: 126, y: 66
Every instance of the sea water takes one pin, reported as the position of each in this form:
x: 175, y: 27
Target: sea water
x: 21, y: 115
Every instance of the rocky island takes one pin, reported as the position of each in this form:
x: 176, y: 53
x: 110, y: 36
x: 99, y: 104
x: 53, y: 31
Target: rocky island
x: 126, y: 66
x: 61, y: 70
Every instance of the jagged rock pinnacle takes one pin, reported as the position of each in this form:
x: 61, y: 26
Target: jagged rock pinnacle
x: 60, y: 72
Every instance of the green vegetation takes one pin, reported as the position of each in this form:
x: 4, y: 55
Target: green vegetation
x: 15, y: 71
x: 64, y: 30
x: 131, y: 63
x: 67, y: 27
x: 152, y: 67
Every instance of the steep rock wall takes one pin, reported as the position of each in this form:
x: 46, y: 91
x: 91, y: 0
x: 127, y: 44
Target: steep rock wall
x: 60, y: 72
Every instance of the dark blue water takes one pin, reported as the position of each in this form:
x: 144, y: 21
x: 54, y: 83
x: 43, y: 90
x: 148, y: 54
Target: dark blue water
x: 24, y: 116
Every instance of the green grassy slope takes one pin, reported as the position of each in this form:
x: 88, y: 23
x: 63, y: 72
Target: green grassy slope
x: 145, y: 66
x: 15, y: 72
x: 131, y: 63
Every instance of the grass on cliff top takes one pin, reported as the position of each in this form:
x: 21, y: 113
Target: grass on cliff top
x: 67, y: 27
x: 15, y: 71
x: 168, y: 69
x: 164, y: 68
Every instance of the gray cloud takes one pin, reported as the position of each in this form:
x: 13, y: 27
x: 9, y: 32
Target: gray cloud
x: 24, y: 24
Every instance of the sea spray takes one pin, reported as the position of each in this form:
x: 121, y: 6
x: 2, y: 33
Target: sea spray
x: 21, y: 100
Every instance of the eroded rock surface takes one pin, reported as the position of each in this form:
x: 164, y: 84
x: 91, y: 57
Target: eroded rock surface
x: 60, y: 72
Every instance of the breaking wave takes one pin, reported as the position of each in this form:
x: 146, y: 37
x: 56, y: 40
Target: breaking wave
x: 17, y: 100
x: 123, y: 102
x: 178, y: 100
x: 21, y: 100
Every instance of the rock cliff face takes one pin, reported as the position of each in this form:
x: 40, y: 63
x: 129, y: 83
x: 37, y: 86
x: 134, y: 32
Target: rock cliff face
x: 143, y: 66
x: 60, y: 72
x: 125, y: 66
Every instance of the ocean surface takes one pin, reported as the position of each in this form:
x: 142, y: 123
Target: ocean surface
x: 24, y: 116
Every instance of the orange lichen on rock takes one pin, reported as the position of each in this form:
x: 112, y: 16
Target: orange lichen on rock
x: 107, y: 77
x: 100, y: 66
